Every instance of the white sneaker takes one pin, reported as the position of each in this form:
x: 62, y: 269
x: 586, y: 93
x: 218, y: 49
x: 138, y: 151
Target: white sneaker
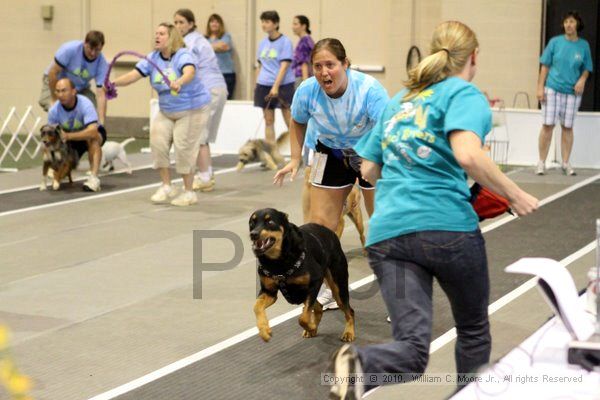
x: 541, y: 168
x: 164, y: 193
x: 325, y: 297
x: 185, y: 199
x: 568, y: 170
x: 345, y: 364
x: 202, y: 185
x: 389, y: 320
x: 92, y: 184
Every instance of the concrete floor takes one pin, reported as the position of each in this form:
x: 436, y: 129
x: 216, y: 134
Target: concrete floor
x: 99, y: 292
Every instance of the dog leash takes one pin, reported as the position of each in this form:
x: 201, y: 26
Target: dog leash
x: 109, y: 87
x: 269, y: 99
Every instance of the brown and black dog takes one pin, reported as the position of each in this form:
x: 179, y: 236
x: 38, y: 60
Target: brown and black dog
x: 294, y: 261
x: 351, y: 208
x: 58, y: 155
x: 263, y: 151
x: 353, y: 211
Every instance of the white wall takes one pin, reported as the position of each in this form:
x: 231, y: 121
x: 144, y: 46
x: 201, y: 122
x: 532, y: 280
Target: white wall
x: 523, y: 127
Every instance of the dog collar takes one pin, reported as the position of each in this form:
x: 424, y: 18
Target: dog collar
x: 288, y: 273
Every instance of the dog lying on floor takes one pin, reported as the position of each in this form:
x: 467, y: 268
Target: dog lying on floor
x: 58, y: 155
x: 294, y: 261
x: 263, y: 151
x: 111, y: 151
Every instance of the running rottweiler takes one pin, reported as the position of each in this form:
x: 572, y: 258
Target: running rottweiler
x: 295, y: 261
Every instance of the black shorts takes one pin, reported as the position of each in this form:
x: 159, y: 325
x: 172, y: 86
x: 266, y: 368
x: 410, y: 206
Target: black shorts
x: 286, y: 94
x: 81, y: 145
x: 337, y: 171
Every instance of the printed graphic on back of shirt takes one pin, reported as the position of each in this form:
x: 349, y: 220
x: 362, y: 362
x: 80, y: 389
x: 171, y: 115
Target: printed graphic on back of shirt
x: 402, y: 142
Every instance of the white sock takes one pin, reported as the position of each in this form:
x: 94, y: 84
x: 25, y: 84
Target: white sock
x: 210, y: 170
x: 204, y: 176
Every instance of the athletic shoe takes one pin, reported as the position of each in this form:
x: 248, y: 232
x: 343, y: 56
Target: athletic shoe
x: 568, y: 170
x: 92, y: 184
x: 388, y: 319
x: 347, y: 370
x: 164, y: 193
x: 203, y: 186
x: 325, y: 297
x: 185, y: 199
x: 541, y: 168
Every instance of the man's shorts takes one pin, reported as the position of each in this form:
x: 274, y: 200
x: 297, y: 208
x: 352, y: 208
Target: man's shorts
x: 560, y: 107
x: 81, y: 145
x: 286, y: 94
x: 332, y: 169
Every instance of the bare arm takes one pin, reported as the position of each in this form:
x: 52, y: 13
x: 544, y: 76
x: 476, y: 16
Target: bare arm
x: 541, y: 83
x: 476, y: 163
x: 370, y: 171
x: 297, y: 133
x: 580, y: 85
x: 129, y: 78
x: 304, y: 71
x: 101, y: 100
x: 53, y: 78
x: 220, y: 47
x: 257, y: 73
x: 188, y: 74
x: 282, y: 70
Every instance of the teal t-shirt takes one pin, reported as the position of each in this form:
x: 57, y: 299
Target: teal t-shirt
x: 422, y: 186
x: 566, y: 61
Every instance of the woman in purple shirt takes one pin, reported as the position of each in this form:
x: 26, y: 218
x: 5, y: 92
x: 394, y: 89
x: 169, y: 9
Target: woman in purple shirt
x: 301, y: 62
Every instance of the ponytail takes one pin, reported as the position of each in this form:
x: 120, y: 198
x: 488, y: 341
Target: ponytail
x: 451, y: 46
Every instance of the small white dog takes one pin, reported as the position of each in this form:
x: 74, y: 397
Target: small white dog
x: 114, y: 150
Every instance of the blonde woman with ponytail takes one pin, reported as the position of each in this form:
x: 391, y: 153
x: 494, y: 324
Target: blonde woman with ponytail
x: 428, y: 139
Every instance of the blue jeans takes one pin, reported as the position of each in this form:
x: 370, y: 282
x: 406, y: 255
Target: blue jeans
x: 405, y: 267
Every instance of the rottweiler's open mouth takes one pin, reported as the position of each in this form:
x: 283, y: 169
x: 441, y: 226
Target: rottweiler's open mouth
x: 262, y: 245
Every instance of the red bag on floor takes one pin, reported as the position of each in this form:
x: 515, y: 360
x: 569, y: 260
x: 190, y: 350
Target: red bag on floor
x: 488, y: 204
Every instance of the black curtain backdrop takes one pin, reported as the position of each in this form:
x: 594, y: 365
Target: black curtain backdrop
x: 589, y: 10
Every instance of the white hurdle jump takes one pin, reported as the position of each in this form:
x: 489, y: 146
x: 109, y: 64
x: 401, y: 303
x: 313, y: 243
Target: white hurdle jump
x: 19, y: 137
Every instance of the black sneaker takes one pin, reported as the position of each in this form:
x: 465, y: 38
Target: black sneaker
x: 348, y: 373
